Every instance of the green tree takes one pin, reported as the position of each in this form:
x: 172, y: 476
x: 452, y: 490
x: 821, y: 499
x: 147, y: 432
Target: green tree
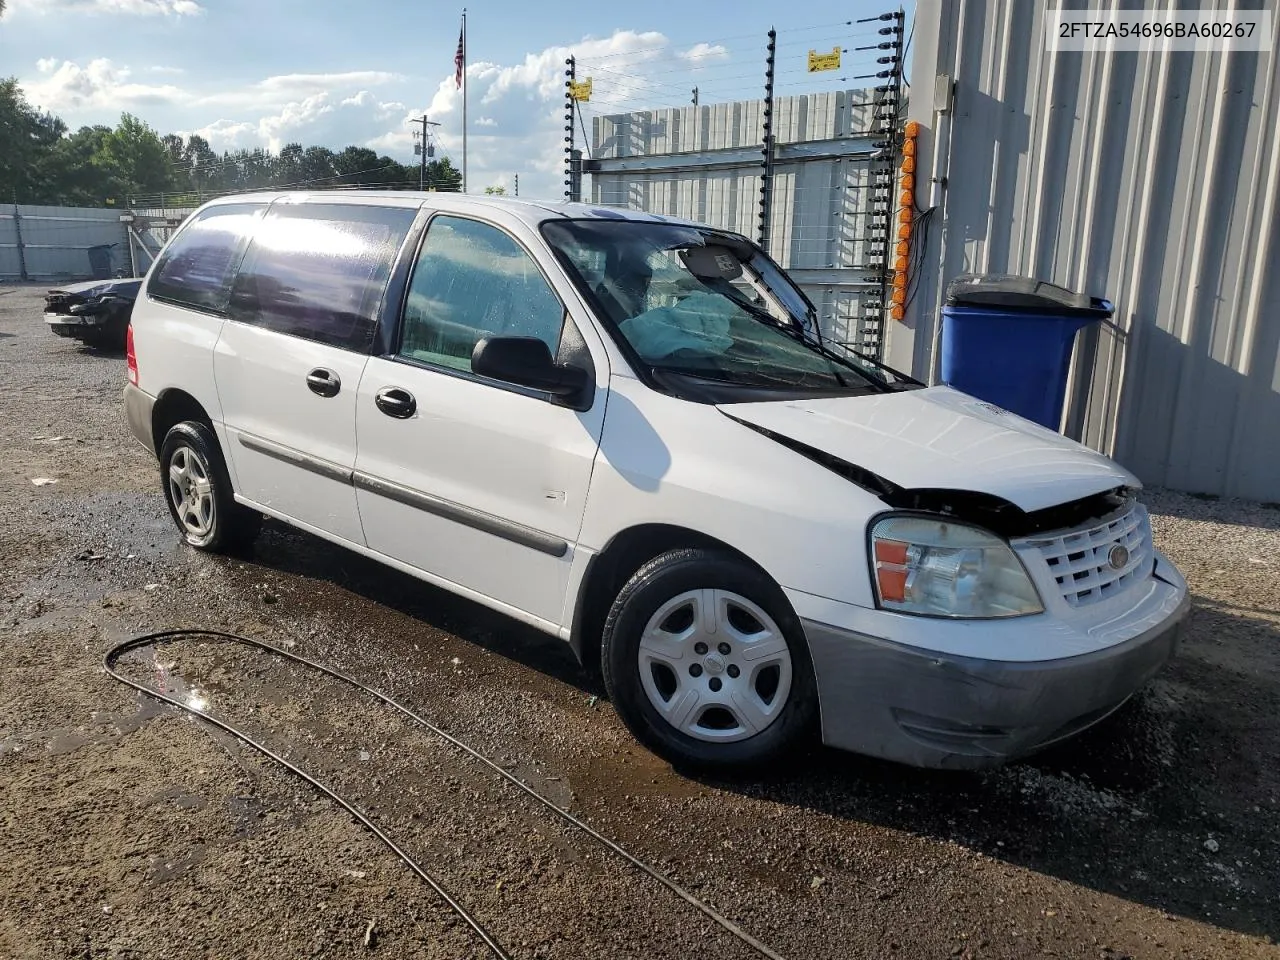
x: 42, y: 162
x: 133, y: 159
x: 317, y: 164
x: 27, y: 137
x: 443, y: 175
x: 200, y: 166
x: 356, y: 165
x: 80, y: 181
x: 289, y: 164
x: 497, y: 190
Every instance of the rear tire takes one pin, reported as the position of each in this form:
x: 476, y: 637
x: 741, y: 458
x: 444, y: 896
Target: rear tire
x: 707, y: 664
x: 198, y: 491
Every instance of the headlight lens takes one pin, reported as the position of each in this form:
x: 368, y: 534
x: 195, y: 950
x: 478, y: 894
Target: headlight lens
x: 945, y: 569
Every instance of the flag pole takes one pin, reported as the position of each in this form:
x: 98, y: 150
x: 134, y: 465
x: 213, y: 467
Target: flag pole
x: 464, y: 99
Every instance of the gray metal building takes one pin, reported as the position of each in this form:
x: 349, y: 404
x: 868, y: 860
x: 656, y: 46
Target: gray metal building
x: 1151, y: 178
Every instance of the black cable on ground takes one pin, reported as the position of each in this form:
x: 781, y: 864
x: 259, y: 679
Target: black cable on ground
x: 112, y: 656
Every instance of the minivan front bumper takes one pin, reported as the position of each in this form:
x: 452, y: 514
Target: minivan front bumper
x: 939, y: 710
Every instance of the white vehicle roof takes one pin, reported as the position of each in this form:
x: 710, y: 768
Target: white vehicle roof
x: 532, y: 212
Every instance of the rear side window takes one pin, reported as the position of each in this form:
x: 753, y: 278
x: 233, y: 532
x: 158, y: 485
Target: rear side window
x: 318, y: 271
x: 195, y: 269
x: 473, y: 281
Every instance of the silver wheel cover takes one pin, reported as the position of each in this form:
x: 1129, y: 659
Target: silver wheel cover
x: 715, y: 666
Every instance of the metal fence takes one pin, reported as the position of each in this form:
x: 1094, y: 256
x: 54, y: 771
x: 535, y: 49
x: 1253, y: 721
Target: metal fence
x: 763, y: 137
x: 54, y: 243
x: 65, y: 244
x: 148, y: 230
x: 704, y: 163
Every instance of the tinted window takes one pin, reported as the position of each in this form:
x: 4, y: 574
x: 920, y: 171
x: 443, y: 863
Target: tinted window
x: 195, y: 269
x: 318, y: 271
x: 473, y: 281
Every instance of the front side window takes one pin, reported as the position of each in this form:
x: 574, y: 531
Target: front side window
x: 698, y: 303
x: 195, y: 269
x: 318, y: 271
x: 474, y: 281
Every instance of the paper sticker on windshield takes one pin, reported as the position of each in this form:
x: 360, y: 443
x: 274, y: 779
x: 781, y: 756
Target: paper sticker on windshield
x: 727, y: 262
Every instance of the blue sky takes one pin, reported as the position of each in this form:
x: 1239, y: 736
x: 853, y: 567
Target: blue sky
x: 247, y: 73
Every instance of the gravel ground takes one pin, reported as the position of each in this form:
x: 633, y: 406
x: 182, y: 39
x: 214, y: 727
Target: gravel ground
x: 133, y: 831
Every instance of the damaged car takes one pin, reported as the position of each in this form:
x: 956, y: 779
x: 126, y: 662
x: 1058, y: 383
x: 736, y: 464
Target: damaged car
x: 627, y: 431
x: 95, y: 312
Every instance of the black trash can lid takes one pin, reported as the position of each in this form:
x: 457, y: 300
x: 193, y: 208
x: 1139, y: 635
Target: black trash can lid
x: 1023, y: 295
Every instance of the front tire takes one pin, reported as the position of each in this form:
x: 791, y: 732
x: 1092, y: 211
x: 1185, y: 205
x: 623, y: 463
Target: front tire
x: 198, y: 491
x: 707, y: 664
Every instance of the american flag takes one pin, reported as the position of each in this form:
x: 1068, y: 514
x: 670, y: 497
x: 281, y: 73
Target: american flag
x: 460, y: 58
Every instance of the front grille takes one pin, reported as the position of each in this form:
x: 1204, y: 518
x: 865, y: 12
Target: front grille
x: 1081, y: 561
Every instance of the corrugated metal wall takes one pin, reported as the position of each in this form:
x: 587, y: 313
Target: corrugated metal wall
x: 56, y: 241
x: 1151, y: 178
x: 820, y: 205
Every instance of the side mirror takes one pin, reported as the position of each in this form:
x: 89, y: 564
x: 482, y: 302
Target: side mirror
x: 527, y: 362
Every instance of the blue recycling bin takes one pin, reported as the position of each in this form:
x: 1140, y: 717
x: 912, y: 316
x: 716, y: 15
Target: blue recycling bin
x: 1008, y: 340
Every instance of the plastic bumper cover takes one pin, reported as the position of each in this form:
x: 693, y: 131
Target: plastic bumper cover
x: 938, y: 710
x: 77, y: 325
x: 138, y: 405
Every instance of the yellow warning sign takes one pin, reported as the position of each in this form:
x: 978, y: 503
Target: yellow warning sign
x: 581, y: 90
x: 824, y: 61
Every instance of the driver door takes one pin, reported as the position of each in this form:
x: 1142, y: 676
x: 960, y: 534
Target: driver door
x: 477, y: 483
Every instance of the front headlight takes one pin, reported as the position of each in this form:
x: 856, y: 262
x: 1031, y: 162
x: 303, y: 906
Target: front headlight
x: 945, y: 569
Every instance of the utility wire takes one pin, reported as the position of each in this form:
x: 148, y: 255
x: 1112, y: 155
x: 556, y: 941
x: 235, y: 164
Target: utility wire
x: 112, y: 656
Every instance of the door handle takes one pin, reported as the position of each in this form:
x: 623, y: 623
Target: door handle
x: 323, y: 382
x: 396, y: 402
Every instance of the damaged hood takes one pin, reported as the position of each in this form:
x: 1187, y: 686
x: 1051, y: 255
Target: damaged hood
x: 940, y: 438
x: 124, y: 288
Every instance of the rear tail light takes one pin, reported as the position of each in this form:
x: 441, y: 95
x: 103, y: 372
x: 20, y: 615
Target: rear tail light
x: 130, y: 357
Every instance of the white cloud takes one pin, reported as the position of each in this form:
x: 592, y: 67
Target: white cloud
x: 67, y: 86
x: 516, y: 110
x: 138, y: 8
x: 322, y: 119
x: 227, y: 135
x: 701, y: 54
x: 168, y: 71
x: 289, y: 88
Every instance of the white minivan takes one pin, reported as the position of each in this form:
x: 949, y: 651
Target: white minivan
x: 625, y: 430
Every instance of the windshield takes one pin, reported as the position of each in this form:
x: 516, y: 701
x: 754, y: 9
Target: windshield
x: 700, y: 303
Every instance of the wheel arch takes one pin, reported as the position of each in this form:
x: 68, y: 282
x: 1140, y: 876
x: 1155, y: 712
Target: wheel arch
x: 172, y: 407
x: 609, y: 570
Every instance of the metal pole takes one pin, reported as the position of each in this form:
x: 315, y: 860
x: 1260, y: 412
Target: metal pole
x: 886, y: 120
x: 17, y: 230
x: 571, y: 79
x: 133, y: 256
x: 766, y: 178
x: 422, y: 167
x: 464, y: 101
x: 517, y: 193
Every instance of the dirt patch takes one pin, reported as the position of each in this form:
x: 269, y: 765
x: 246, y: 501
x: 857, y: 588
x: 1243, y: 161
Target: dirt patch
x: 132, y: 831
